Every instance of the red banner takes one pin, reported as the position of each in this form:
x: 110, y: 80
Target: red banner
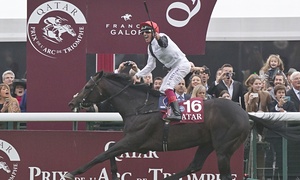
x: 48, y: 155
x: 113, y: 26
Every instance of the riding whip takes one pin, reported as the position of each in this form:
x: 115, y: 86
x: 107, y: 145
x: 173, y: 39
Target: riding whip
x: 146, y: 7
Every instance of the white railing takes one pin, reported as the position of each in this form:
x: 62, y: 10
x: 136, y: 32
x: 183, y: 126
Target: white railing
x: 70, y: 116
x: 57, y: 116
x: 284, y: 116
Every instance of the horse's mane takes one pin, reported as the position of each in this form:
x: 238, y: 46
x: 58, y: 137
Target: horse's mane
x: 125, y: 79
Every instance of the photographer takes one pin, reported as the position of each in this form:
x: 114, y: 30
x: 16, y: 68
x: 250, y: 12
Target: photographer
x: 225, y: 82
x: 282, y: 103
x: 126, y: 64
x: 256, y: 100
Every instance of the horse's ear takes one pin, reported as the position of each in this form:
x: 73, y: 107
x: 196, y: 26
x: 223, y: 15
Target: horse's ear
x: 101, y: 73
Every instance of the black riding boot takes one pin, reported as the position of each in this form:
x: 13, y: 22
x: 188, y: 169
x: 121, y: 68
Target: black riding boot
x: 175, y: 115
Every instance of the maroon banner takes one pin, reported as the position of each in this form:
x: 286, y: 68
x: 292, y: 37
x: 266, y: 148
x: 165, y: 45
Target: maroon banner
x: 113, y: 26
x: 48, y: 155
x: 56, y: 56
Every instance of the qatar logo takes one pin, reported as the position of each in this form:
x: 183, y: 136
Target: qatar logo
x: 56, y: 28
x: 182, y: 6
x: 9, y: 160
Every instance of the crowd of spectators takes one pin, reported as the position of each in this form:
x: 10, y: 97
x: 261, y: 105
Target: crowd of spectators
x: 259, y: 92
x: 12, y: 96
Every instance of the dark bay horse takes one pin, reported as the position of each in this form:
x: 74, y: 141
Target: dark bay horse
x: 226, y: 125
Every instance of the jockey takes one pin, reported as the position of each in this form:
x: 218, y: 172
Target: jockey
x: 163, y: 49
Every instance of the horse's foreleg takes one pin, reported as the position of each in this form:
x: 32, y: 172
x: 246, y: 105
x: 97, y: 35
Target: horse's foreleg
x: 112, y: 152
x: 196, y: 165
x: 113, y: 165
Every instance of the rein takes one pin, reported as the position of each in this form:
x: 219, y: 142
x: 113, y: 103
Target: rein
x: 95, y: 85
x: 138, y: 108
x: 113, y: 96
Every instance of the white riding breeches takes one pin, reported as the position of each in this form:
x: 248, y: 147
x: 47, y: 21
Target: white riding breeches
x: 175, y: 75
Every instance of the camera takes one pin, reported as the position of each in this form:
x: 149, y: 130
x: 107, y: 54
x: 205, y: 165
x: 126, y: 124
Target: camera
x: 127, y: 63
x: 229, y: 75
x: 254, y: 95
x: 287, y: 98
x: 197, y: 72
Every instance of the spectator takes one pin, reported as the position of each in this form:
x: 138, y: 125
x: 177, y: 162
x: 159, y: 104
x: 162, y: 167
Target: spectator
x: 282, y: 103
x: 200, y: 91
x: 255, y: 99
x: 157, y: 83
x: 288, y: 75
x: 225, y: 94
x: 19, y: 86
x: 225, y: 82
x: 147, y: 79
x: 7, y: 102
x: 264, y: 85
x: 187, y: 78
x: 23, y: 103
x: 123, y: 65
x: 278, y: 79
x: 205, y: 74
x: 217, y: 76
x: 273, y: 66
x: 8, y: 78
x: 294, y: 93
x: 195, y: 80
x: 180, y: 91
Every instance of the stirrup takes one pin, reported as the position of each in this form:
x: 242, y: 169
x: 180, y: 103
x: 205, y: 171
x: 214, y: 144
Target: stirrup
x: 173, y: 118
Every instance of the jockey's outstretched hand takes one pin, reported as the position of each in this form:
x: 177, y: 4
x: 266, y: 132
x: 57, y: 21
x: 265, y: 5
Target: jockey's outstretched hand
x: 156, y: 35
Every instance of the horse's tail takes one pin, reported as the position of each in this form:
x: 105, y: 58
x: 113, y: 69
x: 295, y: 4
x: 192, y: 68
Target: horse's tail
x: 275, y: 122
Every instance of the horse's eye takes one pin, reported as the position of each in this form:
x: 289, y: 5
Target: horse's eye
x: 86, y: 87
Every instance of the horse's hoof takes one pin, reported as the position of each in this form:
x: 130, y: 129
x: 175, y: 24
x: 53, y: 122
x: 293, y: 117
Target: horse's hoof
x: 69, y: 176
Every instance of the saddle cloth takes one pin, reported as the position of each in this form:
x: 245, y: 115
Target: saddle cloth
x: 192, y: 110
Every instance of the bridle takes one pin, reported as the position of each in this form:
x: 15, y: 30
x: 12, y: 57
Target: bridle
x: 95, y: 85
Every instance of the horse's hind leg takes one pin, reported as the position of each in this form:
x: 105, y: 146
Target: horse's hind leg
x: 224, y: 154
x: 196, y: 165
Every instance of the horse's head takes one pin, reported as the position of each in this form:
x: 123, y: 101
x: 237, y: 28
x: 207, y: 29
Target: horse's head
x: 68, y: 28
x: 89, y: 94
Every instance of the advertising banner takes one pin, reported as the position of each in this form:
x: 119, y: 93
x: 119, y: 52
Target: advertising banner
x: 48, y: 155
x: 113, y: 26
x: 56, y: 56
